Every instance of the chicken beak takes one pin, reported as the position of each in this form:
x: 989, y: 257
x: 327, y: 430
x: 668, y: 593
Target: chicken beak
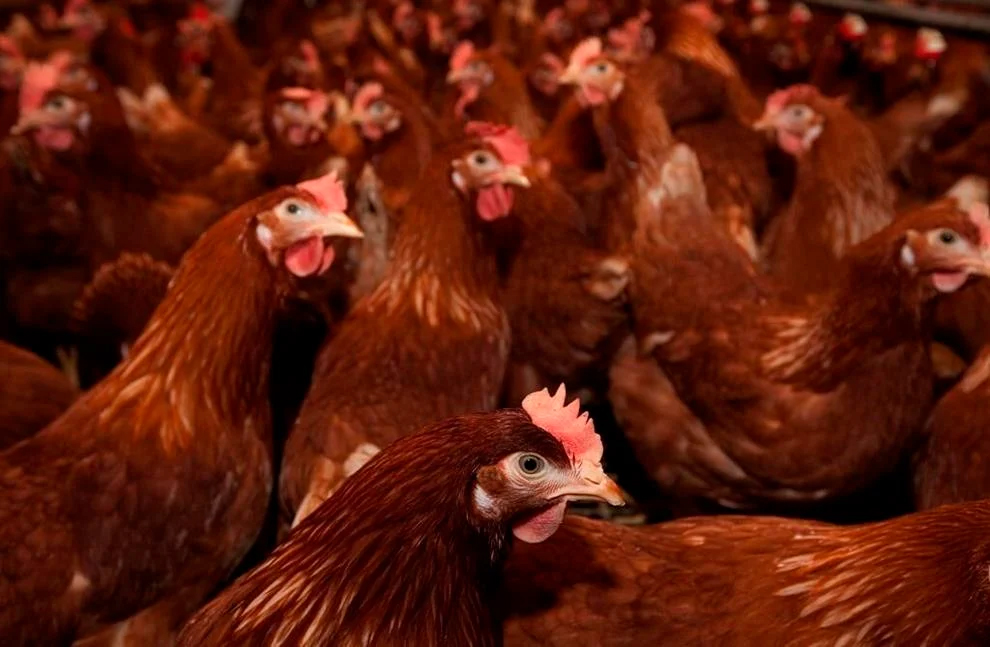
x: 590, y: 482
x: 571, y: 76
x: 32, y: 120
x: 513, y: 174
x: 337, y: 224
x: 764, y: 124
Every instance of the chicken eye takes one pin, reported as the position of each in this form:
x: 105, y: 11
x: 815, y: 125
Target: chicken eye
x: 481, y: 159
x: 948, y: 237
x: 376, y: 109
x: 293, y: 209
x: 600, y: 68
x: 57, y: 103
x: 531, y: 464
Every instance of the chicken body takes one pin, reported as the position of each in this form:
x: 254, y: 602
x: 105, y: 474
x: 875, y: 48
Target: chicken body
x: 774, y: 384
x: 430, y: 342
x: 34, y: 393
x: 716, y: 580
x: 148, y: 491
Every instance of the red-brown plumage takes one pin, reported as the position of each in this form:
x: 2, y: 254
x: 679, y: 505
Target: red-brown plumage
x: 407, y: 552
x: 841, y: 196
x: 739, y: 581
x: 489, y: 87
x: 147, y: 492
x: 430, y: 342
x: 952, y: 467
x: 774, y: 385
x: 34, y: 393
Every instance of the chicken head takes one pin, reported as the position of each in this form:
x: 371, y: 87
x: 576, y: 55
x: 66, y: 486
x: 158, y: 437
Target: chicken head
x: 496, y: 162
x: 469, y: 73
x: 53, y: 119
x: 789, y: 115
x: 293, y: 230
x: 532, y: 488
x: 372, y: 112
x: 597, y: 78
x: 947, y: 256
x: 298, y: 116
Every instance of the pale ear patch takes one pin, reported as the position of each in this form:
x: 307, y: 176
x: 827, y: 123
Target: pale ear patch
x: 908, y: 259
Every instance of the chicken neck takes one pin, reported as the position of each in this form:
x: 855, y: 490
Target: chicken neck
x: 208, y: 344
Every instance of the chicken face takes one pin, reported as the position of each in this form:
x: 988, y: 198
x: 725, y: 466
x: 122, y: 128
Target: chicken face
x: 83, y: 19
x: 194, y: 39
x: 299, y: 117
x: 294, y: 231
x: 947, y: 257
x: 406, y: 22
x: 545, y: 76
x: 469, y: 73
x: 794, y: 122
x: 596, y: 77
x: 372, y: 113
x: 530, y: 489
x: 57, y: 124
x: 498, y: 162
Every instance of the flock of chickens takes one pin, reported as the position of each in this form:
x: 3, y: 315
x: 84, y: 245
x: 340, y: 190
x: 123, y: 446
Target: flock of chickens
x: 300, y: 303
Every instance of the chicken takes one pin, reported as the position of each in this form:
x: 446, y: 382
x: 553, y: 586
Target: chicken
x: 840, y: 60
x: 399, y: 135
x: 913, y: 580
x: 490, y: 88
x: 122, y: 193
x: 433, y: 339
x: 296, y: 129
x: 182, y: 147
x: 565, y: 297
x: 840, y: 197
x: 775, y: 384
x: 232, y: 105
x: 632, y: 130
x: 130, y: 507
x: 437, y: 543
x: 951, y: 466
x: 34, y: 393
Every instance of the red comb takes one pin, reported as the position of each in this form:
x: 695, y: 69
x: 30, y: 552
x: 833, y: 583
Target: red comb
x: 586, y: 51
x: 39, y: 78
x: 929, y: 44
x: 979, y: 215
x: 573, y: 429
x: 126, y: 27
x: 799, y: 14
x: 315, y: 100
x: 200, y: 13
x: 506, y: 140
x: 852, y: 27
x: 368, y: 94
x: 9, y: 46
x: 328, y: 191
x: 462, y: 54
